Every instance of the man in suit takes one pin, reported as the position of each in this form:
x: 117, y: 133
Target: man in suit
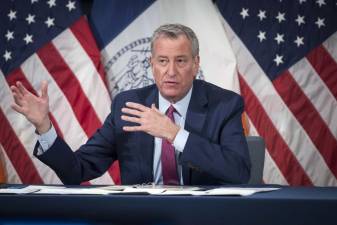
x: 199, y: 142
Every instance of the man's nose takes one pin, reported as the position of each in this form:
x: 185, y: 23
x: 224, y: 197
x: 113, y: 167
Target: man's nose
x: 172, y: 69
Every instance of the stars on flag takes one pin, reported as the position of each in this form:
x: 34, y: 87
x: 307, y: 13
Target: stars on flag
x: 262, y: 15
x: 261, y: 36
x: 320, y: 22
x: 279, y: 38
x: 320, y: 3
x: 51, y: 3
x: 279, y: 34
x: 280, y: 17
x: 9, y: 35
x: 28, y: 38
x: 299, y: 41
x: 7, y: 55
x: 50, y: 22
x: 300, y: 20
x: 71, y: 5
x: 278, y: 59
x: 12, y: 15
x: 244, y: 13
x: 29, y: 16
x: 30, y: 19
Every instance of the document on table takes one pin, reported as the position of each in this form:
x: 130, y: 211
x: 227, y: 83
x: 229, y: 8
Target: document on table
x: 238, y: 191
x: 219, y: 191
x: 137, y: 189
x: 46, y: 189
x: 197, y: 191
x: 24, y: 190
x: 74, y: 191
x: 151, y: 189
x: 98, y: 191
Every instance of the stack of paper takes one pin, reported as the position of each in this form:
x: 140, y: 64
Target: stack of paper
x: 137, y: 189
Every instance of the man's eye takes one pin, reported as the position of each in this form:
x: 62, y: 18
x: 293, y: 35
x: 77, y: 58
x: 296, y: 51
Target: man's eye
x: 181, y: 62
x: 162, y: 61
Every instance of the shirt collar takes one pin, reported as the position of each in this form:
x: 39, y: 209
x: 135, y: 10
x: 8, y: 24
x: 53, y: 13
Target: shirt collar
x: 180, y: 106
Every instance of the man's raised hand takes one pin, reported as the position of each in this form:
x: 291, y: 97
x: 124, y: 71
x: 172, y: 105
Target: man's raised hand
x: 34, y: 108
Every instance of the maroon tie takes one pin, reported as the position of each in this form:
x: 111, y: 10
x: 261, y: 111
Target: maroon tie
x: 168, y: 159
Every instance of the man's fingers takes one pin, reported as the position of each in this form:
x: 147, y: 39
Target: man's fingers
x: 131, y: 112
x: 138, y: 106
x: 132, y: 128
x: 16, y: 91
x: 17, y: 108
x: 131, y: 119
x: 44, y: 89
x: 21, y: 88
x: 18, y: 99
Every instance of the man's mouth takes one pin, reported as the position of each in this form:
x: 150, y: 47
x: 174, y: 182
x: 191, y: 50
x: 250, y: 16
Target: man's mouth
x: 170, y: 82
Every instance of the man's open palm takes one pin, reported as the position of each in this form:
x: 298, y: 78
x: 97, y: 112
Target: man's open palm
x: 34, y: 108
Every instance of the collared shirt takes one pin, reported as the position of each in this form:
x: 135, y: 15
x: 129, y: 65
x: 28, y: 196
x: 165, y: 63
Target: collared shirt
x: 47, y: 139
x: 180, y: 139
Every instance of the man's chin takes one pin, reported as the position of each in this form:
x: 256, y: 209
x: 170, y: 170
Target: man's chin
x: 170, y: 95
x: 170, y: 85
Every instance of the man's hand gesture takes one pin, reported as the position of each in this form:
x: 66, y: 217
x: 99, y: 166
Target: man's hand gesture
x: 34, y: 108
x: 150, y: 120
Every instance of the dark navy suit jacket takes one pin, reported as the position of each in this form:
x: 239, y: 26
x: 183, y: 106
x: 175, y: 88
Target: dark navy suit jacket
x: 215, y: 152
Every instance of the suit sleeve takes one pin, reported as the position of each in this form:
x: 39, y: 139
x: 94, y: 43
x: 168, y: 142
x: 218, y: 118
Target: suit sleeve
x: 223, y: 154
x: 91, y: 160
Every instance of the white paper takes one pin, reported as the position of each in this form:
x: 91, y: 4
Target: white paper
x: 181, y: 192
x: 47, y: 186
x: 218, y: 191
x: 147, y: 189
x: 114, y: 187
x: 237, y: 191
x: 141, y: 190
x: 74, y: 191
x: 25, y: 190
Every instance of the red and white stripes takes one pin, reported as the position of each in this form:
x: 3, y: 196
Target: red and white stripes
x: 294, y: 114
x: 79, y: 102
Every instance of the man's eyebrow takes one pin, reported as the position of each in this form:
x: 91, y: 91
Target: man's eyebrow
x: 178, y: 56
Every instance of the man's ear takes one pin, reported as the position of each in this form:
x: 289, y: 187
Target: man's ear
x: 197, y: 60
x: 196, y: 65
x: 151, y: 62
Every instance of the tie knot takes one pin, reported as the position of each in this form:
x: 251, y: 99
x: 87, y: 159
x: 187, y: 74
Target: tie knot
x: 171, y: 109
x: 170, y: 112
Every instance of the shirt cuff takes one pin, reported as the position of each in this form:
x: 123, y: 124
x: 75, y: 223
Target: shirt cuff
x: 180, y: 140
x: 46, y: 140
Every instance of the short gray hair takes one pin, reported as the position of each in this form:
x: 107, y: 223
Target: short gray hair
x: 174, y: 31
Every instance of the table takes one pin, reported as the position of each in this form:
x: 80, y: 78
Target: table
x: 289, y: 205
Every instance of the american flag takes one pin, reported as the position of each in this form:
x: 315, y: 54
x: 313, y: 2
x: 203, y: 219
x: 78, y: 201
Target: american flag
x: 49, y: 40
x: 287, y: 65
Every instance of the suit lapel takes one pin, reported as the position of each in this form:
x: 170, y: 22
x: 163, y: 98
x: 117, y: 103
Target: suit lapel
x: 195, y: 118
x: 146, y: 146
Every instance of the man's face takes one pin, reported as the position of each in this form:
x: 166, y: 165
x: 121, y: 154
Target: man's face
x: 173, y: 66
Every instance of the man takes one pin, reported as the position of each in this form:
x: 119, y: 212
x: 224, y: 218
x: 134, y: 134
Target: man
x: 200, y: 142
